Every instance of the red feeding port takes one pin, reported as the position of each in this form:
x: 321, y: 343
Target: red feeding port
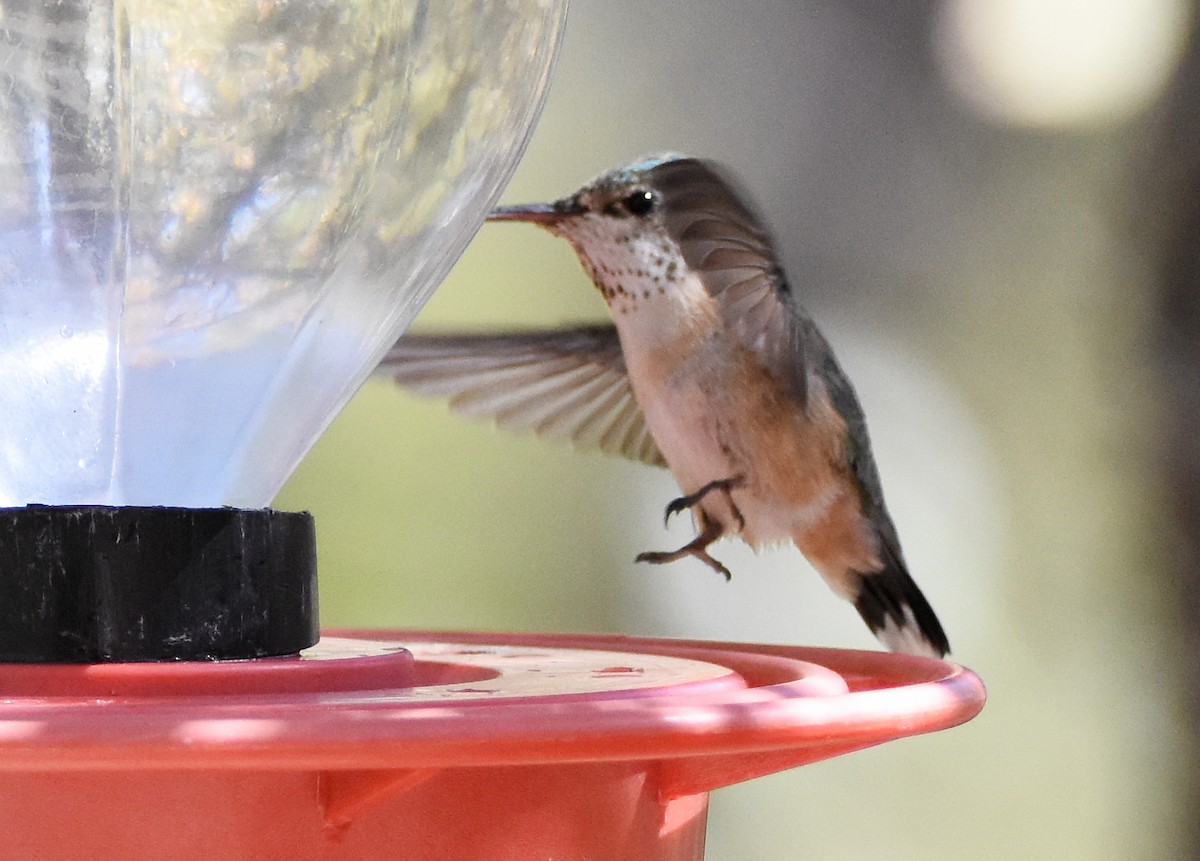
x: 419, y: 745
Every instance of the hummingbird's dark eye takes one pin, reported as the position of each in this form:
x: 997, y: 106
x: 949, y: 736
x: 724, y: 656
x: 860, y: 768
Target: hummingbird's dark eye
x: 640, y: 202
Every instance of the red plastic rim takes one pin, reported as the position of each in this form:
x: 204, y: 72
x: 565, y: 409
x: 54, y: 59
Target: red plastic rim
x: 405, y: 700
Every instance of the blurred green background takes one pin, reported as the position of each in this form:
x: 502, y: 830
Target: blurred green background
x: 956, y: 188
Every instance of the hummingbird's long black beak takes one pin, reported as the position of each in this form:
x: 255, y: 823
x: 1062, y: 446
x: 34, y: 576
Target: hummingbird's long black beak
x: 538, y: 213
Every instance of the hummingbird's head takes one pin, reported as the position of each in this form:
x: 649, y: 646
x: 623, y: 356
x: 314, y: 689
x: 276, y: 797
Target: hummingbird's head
x: 618, y: 227
x: 642, y: 229
x: 607, y: 211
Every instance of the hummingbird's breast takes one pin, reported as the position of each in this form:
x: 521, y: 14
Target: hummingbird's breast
x: 716, y: 412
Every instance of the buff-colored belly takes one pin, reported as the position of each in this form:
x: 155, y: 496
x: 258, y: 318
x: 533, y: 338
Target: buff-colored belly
x: 716, y: 418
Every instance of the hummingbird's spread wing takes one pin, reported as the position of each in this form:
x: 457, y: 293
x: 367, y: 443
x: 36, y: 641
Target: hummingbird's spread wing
x: 724, y: 242
x: 562, y: 383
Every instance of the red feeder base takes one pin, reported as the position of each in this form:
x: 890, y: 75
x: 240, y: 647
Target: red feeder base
x: 421, y: 745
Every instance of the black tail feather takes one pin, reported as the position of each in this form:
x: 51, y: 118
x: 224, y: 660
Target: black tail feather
x: 893, y: 607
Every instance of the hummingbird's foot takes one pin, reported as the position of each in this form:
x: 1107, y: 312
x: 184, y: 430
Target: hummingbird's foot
x: 675, y: 506
x: 658, y: 557
x: 697, y: 547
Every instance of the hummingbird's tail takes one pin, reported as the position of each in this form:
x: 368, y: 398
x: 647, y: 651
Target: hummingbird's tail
x: 893, y: 607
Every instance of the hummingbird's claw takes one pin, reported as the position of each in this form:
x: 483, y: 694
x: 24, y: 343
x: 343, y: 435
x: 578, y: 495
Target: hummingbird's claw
x: 697, y: 547
x: 658, y: 557
x: 675, y: 506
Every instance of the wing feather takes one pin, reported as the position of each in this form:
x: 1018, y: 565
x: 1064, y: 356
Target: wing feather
x: 559, y: 384
x: 725, y: 242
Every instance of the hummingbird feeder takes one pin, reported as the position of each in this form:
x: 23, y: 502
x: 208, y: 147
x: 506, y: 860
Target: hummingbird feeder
x: 215, y: 219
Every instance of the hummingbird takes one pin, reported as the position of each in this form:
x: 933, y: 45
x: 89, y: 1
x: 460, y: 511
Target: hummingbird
x: 710, y: 368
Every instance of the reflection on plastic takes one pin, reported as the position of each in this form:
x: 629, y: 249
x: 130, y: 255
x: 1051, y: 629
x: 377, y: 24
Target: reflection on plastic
x: 214, y: 216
